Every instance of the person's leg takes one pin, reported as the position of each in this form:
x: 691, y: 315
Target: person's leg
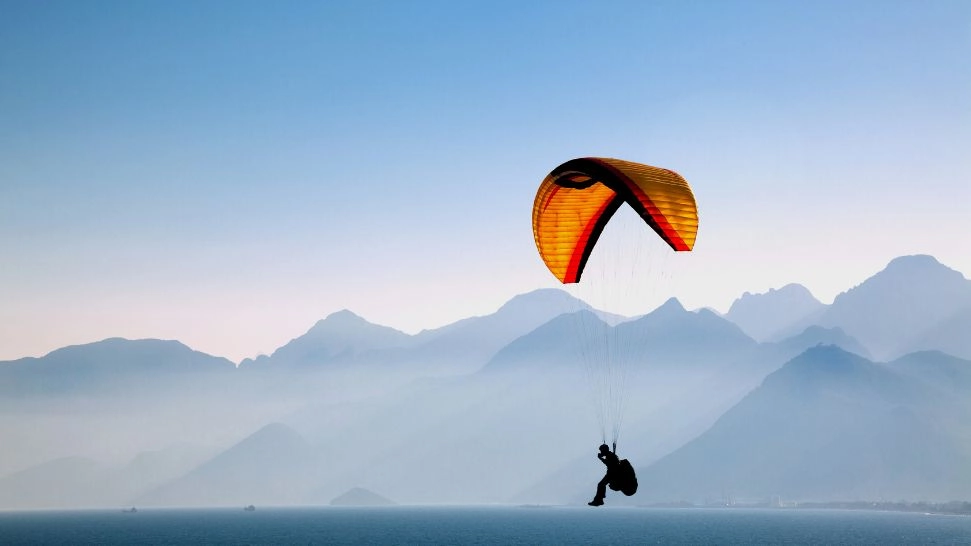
x: 601, y: 492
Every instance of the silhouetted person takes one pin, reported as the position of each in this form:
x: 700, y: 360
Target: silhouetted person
x: 610, y: 460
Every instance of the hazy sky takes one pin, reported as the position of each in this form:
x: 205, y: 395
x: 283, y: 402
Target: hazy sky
x: 227, y: 173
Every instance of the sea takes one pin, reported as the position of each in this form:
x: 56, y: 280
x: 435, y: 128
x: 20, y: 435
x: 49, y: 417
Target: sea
x: 502, y: 525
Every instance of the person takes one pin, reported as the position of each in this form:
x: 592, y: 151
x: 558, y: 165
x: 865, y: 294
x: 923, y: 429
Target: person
x: 610, y: 460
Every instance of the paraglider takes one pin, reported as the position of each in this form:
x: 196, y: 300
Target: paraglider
x: 619, y: 476
x: 573, y: 205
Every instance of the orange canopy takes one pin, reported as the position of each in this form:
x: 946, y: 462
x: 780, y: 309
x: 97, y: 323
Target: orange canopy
x: 575, y: 201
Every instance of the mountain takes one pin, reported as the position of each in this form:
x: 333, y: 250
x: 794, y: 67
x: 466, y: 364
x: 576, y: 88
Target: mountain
x: 949, y: 373
x: 667, y: 336
x: 496, y: 407
x: 671, y: 335
x: 460, y: 440
x: 564, y: 339
x: 273, y: 466
x: 685, y: 404
x: 761, y: 315
x: 888, y: 311
x: 74, y: 482
x: 950, y: 335
x: 339, y: 337
x: 461, y: 347
x: 817, y: 335
x: 465, y: 346
x: 359, y: 496
x: 67, y: 482
x: 110, y: 365
x: 828, y: 425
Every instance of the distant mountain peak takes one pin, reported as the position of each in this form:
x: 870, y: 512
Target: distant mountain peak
x: 914, y: 260
x: 828, y: 352
x: 272, y: 434
x: 345, y: 322
x: 114, y: 343
x: 825, y: 359
x: 543, y: 296
x: 921, y: 265
x: 818, y: 335
x: 791, y: 287
x: 358, y: 496
x: 763, y: 314
x: 344, y: 316
x: 672, y: 305
x: 890, y: 310
x: 791, y: 290
x: 828, y: 424
x: 341, y: 335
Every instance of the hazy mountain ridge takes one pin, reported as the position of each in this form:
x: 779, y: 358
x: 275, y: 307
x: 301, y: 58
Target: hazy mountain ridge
x: 680, y: 337
x: 891, y: 310
x: 359, y: 496
x: 672, y: 336
x: 340, y: 427
x: 699, y: 396
x: 465, y: 346
x: 948, y: 373
x: 404, y: 436
x: 828, y: 424
x: 274, y: 465
x: 818, y: 335
x: 460, y: 347
x: 113, y: 362
x: 762, y: 315
x: 71, y: 482
x: 949, y: 335
x: 340, y: 336
x: 344, y: 336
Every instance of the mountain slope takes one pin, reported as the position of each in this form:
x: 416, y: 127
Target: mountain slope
x: 339, y: 337
x: 817, y: 335
x: 892, y: 308
x: 62, y: 483
x: 561, y: 342
x: 948, y: 373
x: 671, y: 335
x: 827, y: 425
x: 466, y: 346
x: 274, y: 465
x: 110, y: 365
x: 358, y: 496
x: 950, y: 335
x: 761, y: 315
x: 668, y: 336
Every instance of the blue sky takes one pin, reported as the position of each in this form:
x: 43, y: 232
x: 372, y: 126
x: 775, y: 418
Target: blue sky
x: 227, y: 173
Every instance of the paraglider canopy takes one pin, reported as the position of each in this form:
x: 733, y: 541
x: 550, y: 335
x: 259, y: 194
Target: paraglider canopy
x: 577, y: 199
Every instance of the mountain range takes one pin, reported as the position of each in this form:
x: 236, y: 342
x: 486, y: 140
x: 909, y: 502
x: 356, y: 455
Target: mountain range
x: 865, y: 398
x: 832, y: 425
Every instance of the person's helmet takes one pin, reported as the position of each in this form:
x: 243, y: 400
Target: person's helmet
x: 604, y: 448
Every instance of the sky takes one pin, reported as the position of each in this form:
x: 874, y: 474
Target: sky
x: 228, y: 173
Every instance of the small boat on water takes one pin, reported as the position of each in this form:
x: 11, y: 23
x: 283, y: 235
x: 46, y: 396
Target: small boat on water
x: 250, y: 508
x: 131, y: 510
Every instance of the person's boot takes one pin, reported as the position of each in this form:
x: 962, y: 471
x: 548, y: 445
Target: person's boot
x: 597, y: 501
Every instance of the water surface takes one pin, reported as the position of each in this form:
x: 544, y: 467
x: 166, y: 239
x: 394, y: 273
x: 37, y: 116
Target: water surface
x: 481, y: 525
